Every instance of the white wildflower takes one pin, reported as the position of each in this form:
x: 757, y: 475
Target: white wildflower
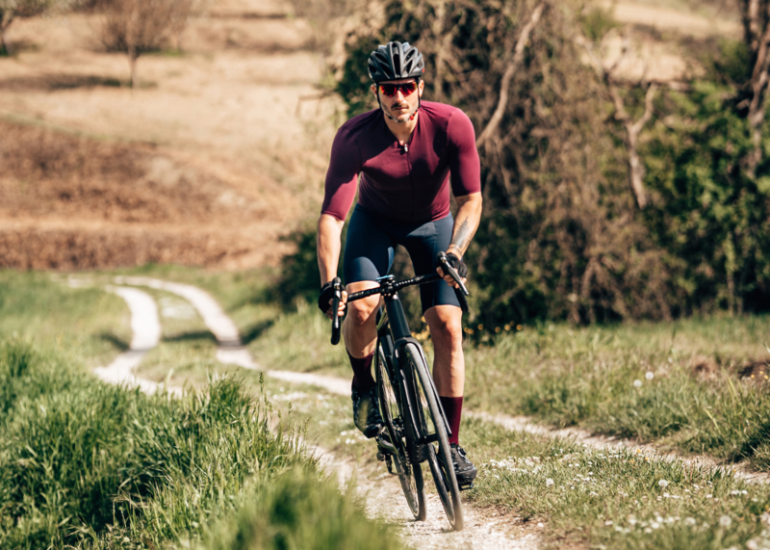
x: 548, y: 482
x: 649, y: 375
x: 689, y: 521
x: 725, y: 521
x: 637, y: 383
x: 663, y: 483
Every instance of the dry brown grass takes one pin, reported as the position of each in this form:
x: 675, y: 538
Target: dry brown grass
x: 70, y: 202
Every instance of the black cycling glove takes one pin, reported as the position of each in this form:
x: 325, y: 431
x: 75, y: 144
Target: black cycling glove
x: 458, y: 265
x: 327, y: 293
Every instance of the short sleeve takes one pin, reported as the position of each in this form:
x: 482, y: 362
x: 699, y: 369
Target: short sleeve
x: 342, y: 175
x: 464, y: 157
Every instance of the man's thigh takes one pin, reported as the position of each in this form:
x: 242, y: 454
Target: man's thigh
x: 423, y: 245
x: 369, y: 249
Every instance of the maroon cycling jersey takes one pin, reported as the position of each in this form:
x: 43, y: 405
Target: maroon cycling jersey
x: 405, y: 184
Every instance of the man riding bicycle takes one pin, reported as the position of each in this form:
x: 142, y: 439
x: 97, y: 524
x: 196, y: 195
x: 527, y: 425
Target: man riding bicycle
x: 402, y: 155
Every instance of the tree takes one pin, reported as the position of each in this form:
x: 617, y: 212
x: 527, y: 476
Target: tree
x: 138, y: 26
x: 755, y: 15
x: 11, y: 9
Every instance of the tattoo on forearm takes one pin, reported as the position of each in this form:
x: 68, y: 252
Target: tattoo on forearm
x: 462, y: 236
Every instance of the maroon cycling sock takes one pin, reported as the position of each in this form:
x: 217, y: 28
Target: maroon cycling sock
x: 362, y: 372
x: 453, y: 408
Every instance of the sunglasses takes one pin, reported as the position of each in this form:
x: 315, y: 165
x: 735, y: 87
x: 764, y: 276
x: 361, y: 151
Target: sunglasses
x: 390, y: 90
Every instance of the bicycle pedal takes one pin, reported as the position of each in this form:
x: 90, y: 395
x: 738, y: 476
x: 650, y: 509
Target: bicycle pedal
x: 383, y: 442
x: 380, y: 456
x: 465, y: 487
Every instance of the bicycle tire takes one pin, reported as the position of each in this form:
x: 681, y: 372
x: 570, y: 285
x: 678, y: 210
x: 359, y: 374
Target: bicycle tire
x: 430, y: 411
x: 412, y: 482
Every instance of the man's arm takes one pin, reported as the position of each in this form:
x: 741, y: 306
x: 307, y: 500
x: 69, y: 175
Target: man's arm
x: 466, y: 223
x: 465, y: 226
x: 328, y: 245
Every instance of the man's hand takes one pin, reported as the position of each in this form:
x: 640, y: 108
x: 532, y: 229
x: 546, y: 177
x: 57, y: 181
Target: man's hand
x: 458, y: 265
x: 325, y: 300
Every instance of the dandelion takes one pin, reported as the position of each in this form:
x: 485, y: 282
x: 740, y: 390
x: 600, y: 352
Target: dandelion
x: 548, y: 482
x: 637, y: 383
x: 663, y: 483
x: 649, y: 375
x: 690, y: 522
x: 725, y: 522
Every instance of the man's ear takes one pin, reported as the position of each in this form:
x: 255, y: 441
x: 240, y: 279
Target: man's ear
x: 420, y: 87
x: 373, y: 88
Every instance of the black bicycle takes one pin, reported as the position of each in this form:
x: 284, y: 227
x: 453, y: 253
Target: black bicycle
x: 415, y: 428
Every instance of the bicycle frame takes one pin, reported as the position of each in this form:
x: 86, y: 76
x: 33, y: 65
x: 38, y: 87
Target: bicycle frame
x: 393, y: 332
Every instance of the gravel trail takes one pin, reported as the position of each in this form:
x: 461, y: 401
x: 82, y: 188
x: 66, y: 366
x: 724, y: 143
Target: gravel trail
x: 381, y: 491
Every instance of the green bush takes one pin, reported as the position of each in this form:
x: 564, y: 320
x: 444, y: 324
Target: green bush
x: 561, y: 236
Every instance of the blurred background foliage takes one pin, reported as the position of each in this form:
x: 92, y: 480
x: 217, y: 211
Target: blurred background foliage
x: 562, y: 236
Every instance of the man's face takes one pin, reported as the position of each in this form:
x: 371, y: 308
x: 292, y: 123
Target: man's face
x: 399, y: 98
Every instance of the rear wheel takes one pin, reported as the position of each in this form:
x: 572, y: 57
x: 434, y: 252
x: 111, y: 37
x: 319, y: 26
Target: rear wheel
x: 433, y: 425
x: 409, y: 475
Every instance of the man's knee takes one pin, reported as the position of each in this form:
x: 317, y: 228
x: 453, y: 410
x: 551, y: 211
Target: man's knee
x: 361, y: 312
x: 445, y: 324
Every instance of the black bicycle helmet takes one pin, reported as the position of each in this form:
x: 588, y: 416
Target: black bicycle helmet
x: 395, y: 61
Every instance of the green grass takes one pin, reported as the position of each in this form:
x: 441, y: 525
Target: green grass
x: 562, y: 375
x: 597, y: 498
x: 614, y: 498
x: 87, y: 324
x: 636, y: 381
x: 88, y: 465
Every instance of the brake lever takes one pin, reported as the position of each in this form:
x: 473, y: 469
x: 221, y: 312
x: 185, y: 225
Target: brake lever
x: 337, y: 286
x: 452, y: 272
x: 461, y: 292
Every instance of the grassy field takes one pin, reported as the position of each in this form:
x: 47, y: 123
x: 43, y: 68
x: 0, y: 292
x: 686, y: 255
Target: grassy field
x: 693, y: 399
x: 88, y: 465
x: 677, y: 384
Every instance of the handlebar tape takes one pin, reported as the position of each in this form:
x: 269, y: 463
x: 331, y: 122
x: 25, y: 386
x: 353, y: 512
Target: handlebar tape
x: 337, y: 285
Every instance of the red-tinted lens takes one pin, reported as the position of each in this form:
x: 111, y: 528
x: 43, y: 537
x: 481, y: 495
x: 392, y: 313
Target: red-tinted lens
x: 389, y: 90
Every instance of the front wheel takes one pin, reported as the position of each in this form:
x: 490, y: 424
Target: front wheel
x: 434, y: 426
x: 409, y: 475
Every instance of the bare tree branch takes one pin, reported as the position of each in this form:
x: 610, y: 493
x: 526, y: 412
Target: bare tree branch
x: 633, y: 129
x: 513, y: 66
x: 759, y: 82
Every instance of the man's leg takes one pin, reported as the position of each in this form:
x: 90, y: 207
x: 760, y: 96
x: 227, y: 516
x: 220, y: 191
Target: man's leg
x: 360, y: 331
x: 446, y: 332
x: 445, y: 324
x: 368, y: 253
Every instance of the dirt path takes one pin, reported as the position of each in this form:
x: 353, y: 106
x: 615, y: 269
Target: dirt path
x: 381, y: 491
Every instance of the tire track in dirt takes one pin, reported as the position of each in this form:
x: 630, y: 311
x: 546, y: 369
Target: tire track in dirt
x: 382, y: 493
x: 231, y: 351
